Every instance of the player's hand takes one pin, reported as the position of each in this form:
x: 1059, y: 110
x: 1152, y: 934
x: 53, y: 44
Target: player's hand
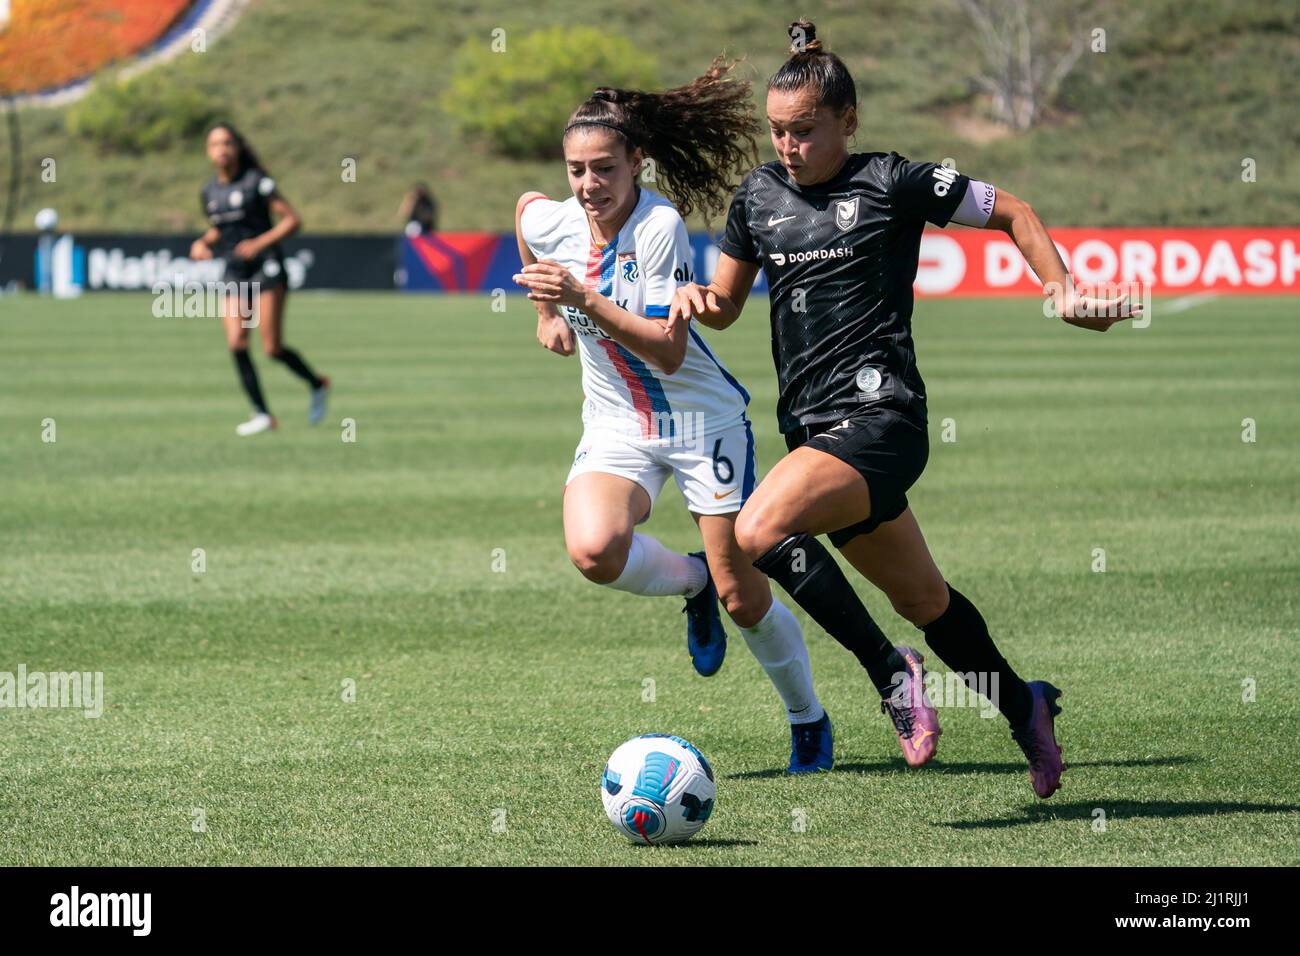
x: 1097, y: 314
x: 555, y: 334
x: 248, y: 249
x: 548, y: 281
x: 690, y: 300
x: 200, y: 250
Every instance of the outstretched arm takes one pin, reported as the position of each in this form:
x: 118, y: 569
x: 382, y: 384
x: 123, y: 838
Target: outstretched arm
x: 1018, y: 220
x: 718, y: 304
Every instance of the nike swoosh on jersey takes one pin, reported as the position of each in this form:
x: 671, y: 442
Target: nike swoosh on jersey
x: 772, y: 221
x: 718, y: 497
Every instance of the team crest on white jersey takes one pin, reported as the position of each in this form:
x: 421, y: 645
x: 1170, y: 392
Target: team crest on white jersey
x: 846, y: 213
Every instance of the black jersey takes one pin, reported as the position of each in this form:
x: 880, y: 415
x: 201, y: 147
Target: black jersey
x: 840, y: 258
x: 240, y: 209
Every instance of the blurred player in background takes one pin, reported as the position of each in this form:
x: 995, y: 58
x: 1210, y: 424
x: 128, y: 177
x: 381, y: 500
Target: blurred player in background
x: 239, y: 201
x: 419, y: 211
x: 838, y: 236
x: 657, y: 401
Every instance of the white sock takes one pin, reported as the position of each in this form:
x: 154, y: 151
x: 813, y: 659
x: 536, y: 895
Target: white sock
x: 777, y: 642
x: 655, y: 571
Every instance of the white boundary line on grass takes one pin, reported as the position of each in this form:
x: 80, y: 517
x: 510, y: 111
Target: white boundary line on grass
x: 1183, y: 303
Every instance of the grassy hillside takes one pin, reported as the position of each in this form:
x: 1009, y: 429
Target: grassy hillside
x: 1151, y: 132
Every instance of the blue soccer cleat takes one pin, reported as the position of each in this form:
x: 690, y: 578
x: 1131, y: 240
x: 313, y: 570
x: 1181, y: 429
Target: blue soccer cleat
x: 811, y: 747
x: 706, y: 639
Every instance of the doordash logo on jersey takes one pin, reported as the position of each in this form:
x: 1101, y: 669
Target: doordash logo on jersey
x: 839, y: 252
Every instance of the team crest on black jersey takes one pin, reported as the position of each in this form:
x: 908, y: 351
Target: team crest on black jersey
x: 846, y: 213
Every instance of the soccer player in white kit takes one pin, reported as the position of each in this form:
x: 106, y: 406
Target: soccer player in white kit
x: 602, y: 267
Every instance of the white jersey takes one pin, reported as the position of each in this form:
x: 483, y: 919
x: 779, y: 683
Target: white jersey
x: 639, y: 271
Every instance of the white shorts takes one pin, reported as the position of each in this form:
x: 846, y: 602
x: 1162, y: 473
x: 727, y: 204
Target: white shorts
x: 716, y: 474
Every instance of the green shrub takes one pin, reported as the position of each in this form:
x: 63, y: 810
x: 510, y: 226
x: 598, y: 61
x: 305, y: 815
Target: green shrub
x: 140, y: 115
x: 518, y: 100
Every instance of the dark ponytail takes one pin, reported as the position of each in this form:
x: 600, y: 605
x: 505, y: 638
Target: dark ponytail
x: 811, y: 66
x: 247, y: 158
x: 698, y: 134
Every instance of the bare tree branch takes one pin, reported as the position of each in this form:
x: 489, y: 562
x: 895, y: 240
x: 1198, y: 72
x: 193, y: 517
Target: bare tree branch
x: 1027, y: 49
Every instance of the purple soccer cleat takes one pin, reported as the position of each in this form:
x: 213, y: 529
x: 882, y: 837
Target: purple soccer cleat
x: 1037, y: 739
x: 913, y: 715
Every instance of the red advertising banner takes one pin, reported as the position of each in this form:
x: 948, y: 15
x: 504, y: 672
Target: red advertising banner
x: 1241, y: 259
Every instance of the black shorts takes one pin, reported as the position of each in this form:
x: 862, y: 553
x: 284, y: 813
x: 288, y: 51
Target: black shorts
x: 267, y: 272
x: 887, y: 447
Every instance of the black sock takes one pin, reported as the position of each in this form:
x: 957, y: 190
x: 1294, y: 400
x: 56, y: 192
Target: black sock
x: 808, y: 572
x: 296, y: 365
x: 248, y: 376
x: 961, y: 639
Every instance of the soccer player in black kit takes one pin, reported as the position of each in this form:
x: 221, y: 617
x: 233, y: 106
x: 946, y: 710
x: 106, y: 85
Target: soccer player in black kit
x: 238, y: 202
x: 838, y: 237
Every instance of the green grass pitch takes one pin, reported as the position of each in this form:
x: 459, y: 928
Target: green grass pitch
x: 487, y: 700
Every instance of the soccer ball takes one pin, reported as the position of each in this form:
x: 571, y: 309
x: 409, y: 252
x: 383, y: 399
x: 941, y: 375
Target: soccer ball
x: 657, y: 788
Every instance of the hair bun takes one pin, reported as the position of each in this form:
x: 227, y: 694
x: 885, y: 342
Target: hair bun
x: 605, y: 93
x: 803, y: 37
